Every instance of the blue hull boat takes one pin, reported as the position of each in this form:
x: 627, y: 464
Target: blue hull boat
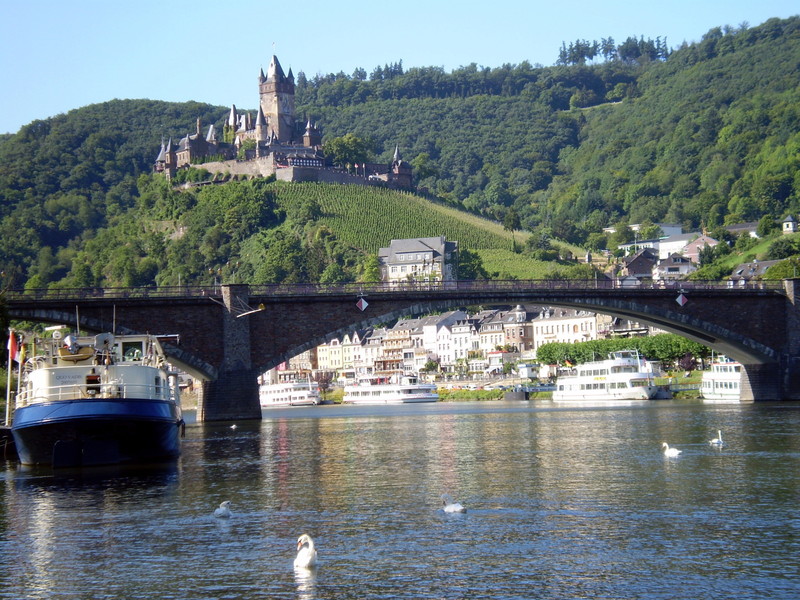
x: 98, y: 401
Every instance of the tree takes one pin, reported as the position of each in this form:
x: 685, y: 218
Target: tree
x: 470, y: 266
x: 786, y: 269
x: 370, y: 269
x: 783, y: 247
x: 766, y: 225
x: 347, y: 150
x: 511, y: 222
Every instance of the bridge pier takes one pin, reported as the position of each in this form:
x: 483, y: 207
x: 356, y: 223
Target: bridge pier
x: 761, y: 382
x: 233, y: 395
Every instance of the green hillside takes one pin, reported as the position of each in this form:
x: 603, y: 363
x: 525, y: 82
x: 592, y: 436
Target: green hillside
x: 369, y: 218
x: 704, y: 135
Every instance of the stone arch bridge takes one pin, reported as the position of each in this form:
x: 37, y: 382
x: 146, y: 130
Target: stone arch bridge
x: 229, y: 334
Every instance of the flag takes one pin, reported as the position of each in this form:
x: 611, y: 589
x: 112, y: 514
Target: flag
x: 13, y: 348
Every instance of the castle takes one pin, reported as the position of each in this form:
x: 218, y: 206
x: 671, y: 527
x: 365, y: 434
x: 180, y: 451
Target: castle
x: 272, y: 144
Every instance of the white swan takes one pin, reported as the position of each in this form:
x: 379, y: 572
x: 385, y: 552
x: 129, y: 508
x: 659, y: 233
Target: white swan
x: 306, y: 553
x: 670, y: 451
x: 451, y: 507
x: 224, y: 510
x: 717, y: 441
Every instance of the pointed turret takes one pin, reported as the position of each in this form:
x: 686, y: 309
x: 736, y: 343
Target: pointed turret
x: 212, y: 134
x: 275, y: 72
x: 161, y: 153
x: 233, y: 117
x: 261, y: 125
x: 261, y: 78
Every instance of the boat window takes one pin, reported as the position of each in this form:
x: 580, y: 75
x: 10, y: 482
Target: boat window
x: 132, y: 350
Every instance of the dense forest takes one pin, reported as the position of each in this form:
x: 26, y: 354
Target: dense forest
x: 704, y: 135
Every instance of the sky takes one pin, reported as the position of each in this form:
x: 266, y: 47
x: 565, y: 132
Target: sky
x: 58, y: 55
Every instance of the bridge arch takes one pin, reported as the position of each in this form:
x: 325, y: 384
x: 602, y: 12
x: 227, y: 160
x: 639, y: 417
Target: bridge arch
x: 182, y: 359
x: 228, y: 346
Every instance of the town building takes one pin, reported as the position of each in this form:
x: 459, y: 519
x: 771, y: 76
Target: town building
x: 672, y: 268
x: 432, y: 259
x: 745, y: 273
x: 564, y: 325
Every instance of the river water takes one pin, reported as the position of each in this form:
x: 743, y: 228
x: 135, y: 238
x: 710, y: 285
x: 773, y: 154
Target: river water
x: 562, y: 502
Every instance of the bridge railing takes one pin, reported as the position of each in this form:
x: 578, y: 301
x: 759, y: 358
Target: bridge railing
x: 363, y: 289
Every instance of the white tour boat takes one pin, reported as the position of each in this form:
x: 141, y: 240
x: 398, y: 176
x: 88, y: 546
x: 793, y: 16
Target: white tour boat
x: 393, y: 389
x: 625, y: 375
x: 97, y: 400
x: 290, y: 393
x: 722, y: 382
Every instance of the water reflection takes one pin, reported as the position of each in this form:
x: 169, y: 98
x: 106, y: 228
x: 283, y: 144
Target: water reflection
x: 562, y: 503
x: 306, y: 582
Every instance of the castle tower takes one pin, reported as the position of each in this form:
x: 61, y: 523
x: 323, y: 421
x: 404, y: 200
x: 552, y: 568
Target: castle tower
x: 312, y: 137
x: 261, y: 126
x: 400, y: 172
x: 276, y: 92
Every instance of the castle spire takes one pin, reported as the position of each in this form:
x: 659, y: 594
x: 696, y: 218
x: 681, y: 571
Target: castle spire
x: 161, y: 153
x: 261, y: 126
x: 275, y: 72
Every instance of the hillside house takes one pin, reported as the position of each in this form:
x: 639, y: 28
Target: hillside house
x: 432, y: 259
x: 674, y: 267
x: 749, y: 272
x: 693, y: 248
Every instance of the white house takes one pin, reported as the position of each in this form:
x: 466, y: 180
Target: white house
x: 564, y: 325
x: 675, y: 266
x: 419, y: 259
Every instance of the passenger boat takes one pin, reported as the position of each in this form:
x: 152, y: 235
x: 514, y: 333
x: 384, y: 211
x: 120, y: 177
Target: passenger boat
x: 625, y: 376
x: 292, y: 393
x: 98, y: 400
x: 722, y: 382
x: 393, y: 389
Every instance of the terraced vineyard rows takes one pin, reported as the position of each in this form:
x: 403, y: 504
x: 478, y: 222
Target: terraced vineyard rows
x: 369, y: 217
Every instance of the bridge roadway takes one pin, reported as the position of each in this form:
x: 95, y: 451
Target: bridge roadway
x: 231, y: 333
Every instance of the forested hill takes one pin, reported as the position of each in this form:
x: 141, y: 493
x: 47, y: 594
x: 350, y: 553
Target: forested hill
x: 700, y: 135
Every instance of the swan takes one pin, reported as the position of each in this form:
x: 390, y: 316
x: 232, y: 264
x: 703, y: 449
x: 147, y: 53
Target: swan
x: 224, y: 510
x: 670, y: 451
x: 451, y: 507
x: 717, y: 441
x: 306, y: 553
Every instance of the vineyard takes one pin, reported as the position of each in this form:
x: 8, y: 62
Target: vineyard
x: 370, y: 217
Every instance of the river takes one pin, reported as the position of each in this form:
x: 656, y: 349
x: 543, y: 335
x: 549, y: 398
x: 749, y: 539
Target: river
x: 562, y: 502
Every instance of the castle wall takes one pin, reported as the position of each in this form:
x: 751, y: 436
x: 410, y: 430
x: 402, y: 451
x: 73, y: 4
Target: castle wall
x: 257, y: 167
x: 307, y: 174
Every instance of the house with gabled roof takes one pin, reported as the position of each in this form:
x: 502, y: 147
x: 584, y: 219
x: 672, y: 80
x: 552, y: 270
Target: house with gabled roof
x: 419, y: 260
x: 693, y: 248
x: 640, y: 265
x: 675, y: 266
x: 744, y: 273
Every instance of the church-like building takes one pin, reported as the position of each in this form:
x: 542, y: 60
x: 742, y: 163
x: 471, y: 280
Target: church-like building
x: 271, y: 143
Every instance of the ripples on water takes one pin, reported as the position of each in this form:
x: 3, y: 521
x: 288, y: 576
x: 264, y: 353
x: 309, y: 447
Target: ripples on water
x: 562, y: 503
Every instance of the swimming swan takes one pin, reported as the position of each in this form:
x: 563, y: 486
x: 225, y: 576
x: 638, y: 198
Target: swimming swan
x: 670, y: 451
x: 224, y: 510
x: 451, y: 507
x: 717, y: 441
x: 306, y: 553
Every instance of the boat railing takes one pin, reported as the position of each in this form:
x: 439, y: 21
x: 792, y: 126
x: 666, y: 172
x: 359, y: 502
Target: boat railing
x: 99, y: 391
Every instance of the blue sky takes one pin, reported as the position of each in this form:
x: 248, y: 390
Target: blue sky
x: 56, y: 55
